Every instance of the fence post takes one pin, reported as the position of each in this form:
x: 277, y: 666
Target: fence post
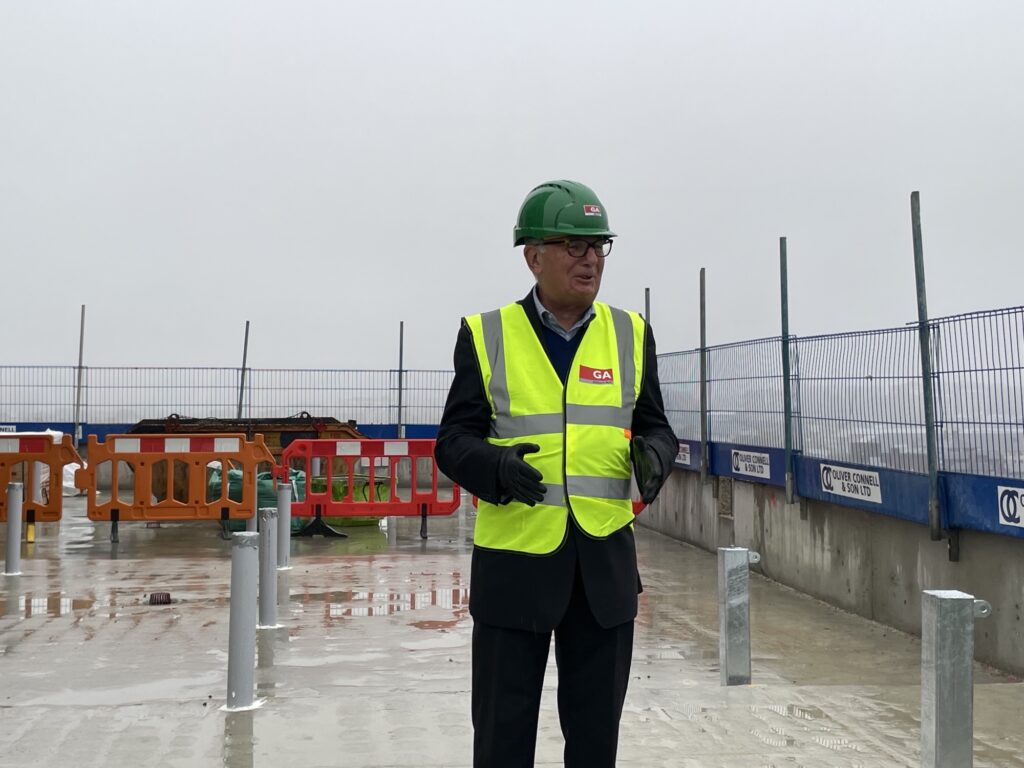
x: 242, y: 622
x: 241, y: 381
x: 401, y: 366
x: 78, y: 386
x: 647, y: 305
x: 703, y: 382
x: 787, y: 392
x: 284, y: 526
x: 252, y: 523
x: 947, y: 677
x: 734, y: 614
x: 924, y: 341
x: 15, y: 499
x: 268, y: 568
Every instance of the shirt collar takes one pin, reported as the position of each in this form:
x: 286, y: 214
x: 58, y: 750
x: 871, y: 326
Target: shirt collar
x: 549, y: 320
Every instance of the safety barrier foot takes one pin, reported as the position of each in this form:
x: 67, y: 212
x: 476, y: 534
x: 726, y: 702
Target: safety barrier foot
x: 423, y: 521
x: 113, y: 528
x: 317, y: 527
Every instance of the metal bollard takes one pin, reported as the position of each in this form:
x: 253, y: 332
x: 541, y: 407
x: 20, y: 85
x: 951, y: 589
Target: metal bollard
x: 15, y: 497
x: 284, y: 526
x: 242, y: 626
x: 734, y: 614
x: 250, y: 523
x: 947, y: 677
x: 268, y: 568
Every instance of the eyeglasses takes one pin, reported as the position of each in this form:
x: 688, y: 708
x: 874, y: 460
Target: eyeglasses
x: 578, y: 248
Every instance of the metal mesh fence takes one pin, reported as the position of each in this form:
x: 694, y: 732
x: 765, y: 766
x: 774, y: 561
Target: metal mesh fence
x: 679, y: 374
x: 126, y: 395
x: 367, y: 396
x: 745, y: 393
x: 423, y: 395
x: 979, y: 392
x: 37, y: 393
x: 857, y: 397
x: 861, y: 400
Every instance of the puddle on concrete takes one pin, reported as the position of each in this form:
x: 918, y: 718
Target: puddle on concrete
x: 441, y: 641
x: 443, y: 625
x: 26, y: 606
x: 385, y: 603
x: 336, y: 658
x: 170, y: 689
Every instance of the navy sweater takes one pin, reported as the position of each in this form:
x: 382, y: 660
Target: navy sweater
x: 561, y: 352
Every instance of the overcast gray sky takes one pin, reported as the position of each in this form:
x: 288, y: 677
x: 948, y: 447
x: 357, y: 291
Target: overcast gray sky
x: 326, y: 169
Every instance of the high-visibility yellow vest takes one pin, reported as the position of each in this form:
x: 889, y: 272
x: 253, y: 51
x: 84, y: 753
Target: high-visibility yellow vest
x: 582, y: 428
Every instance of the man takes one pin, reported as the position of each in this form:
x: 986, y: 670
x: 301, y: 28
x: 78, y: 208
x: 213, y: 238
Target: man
x: 555, y: 400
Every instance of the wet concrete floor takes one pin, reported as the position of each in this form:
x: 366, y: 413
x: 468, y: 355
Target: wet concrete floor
x: 371, y: 667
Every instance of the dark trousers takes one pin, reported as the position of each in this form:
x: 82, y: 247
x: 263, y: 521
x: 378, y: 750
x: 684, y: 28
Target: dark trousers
x: 508, y: 676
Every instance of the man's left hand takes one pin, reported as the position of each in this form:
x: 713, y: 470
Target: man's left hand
x: 647, y: 468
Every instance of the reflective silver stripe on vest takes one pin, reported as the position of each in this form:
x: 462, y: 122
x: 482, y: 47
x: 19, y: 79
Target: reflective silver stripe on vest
x: 599, y: 487
x: 494, y: 346
x: 599, y: 415
x: 523, y: 426
x: 627, y: 369
x: 554, y: 495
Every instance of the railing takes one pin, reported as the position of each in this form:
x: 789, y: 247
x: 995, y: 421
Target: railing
x: 679, y: 374
x: 860, y: 398
x: 857, y: 397
x: 124, y: 395
x: 745, y: 403
x: 979, y: 370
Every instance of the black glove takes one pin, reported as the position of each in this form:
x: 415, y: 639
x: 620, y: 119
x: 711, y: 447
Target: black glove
x: 518, y: 479
x: 647, y: 468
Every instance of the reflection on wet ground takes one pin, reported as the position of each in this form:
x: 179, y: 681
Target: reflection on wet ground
x: 371, y: 665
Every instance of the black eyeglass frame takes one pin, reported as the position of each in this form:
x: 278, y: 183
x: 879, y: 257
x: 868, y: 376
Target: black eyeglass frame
x: 601, y: 247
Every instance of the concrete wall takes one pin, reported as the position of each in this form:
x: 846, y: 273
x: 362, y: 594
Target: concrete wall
x: 866, y: 563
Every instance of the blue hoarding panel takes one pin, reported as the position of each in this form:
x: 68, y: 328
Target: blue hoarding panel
x: 688, y: 456
x: 742, y: 462
x: 886, y: 491
x: 100, y: 430
x: 378, y: 431
x: 390, y: 431
x: 35, y: 426
x: 990, y: 504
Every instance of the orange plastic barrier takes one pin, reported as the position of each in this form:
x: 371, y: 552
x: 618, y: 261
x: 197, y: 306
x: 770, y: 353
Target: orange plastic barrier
x: 171, y: 476
x: 367, y: 478
x: 17, y: 448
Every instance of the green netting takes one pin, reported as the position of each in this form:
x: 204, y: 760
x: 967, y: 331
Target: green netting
x: 266, y: 494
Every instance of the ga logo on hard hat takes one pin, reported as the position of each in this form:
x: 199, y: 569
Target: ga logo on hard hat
x: 591, y: 210
x: 596, y: 375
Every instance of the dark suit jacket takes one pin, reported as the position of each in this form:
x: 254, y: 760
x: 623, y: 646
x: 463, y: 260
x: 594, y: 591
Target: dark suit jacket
x: 531, y: 592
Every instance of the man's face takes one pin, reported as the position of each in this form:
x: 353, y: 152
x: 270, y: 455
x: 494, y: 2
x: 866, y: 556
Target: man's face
x: 565, y: 279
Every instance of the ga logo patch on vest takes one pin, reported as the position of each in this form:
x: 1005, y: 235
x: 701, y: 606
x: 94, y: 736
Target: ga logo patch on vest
x: 596, y: 375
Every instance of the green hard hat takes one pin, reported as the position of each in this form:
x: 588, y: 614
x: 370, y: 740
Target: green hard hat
x: 565, y: 208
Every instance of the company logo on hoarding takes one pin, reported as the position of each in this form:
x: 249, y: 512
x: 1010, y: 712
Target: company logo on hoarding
x: 752, y: 464
x: 683, y: 455
x: 1011, y: 501
x: 852, y: 483
x: 8, y: 428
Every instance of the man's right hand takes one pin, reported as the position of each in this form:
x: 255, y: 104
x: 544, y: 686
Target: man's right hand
x: 518, y: 479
